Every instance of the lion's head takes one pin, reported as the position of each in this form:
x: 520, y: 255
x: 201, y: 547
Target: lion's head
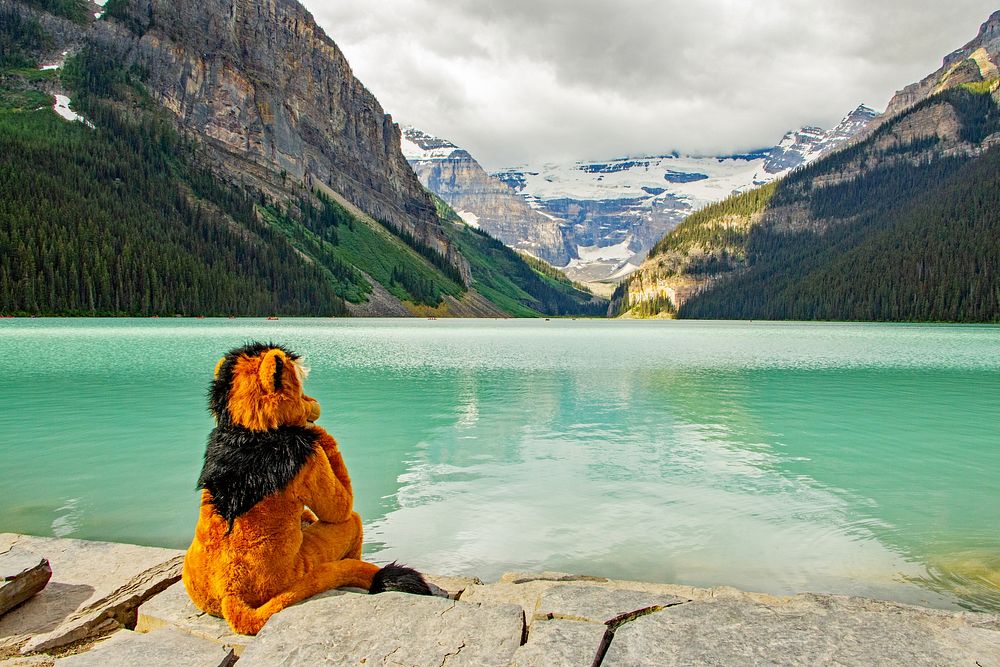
x: 259, y: 387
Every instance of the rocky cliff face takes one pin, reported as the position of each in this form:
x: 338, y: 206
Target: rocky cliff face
x: 63, y: 33
x: 275, y: 97
x: 976, y: 61
x: 482, y: 200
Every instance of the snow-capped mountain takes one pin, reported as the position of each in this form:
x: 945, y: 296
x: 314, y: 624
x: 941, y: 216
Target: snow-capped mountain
x: 597, y: 220
x: 614, y: 211
x: 809, y: 143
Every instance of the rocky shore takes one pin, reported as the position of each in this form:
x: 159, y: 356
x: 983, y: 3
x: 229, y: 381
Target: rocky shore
x: 112, y: 604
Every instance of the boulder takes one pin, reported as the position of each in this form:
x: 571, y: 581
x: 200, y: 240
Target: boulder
x: 29, y: 661
x: 164, y: 648
x: 22, y: 574
x: 527, y: 589
x: 389, y: 628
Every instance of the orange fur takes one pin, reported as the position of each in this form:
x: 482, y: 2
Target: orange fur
x: 255, y: 405
x: 292, y: 544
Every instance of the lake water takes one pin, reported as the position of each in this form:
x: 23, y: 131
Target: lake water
x: 860, y: 459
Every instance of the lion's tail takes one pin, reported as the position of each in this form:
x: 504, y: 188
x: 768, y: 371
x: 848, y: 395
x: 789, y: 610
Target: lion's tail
x: 399, y: 578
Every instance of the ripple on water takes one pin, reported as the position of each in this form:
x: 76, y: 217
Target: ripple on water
x: 972, y: 576
x: 69, y: 518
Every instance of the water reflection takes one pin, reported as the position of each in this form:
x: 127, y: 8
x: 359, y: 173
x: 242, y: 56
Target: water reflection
x: 672, y: 480
x: 776, y: 481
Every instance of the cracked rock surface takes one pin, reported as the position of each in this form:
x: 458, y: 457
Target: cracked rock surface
x: 806, y: 630
x: 166, y: 647
x: 598, y: 605
x: 388, y: 629
x: 679, y: 625
x: 560, y: 644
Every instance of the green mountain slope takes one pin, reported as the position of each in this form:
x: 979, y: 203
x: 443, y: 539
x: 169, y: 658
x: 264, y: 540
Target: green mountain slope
x: 935, y: 258
x: 342, y: 243
x: 522, y: 287
x: 118, y: 220
x: 122, y: 219
x: 899, y: 227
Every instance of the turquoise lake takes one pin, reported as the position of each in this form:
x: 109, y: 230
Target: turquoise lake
x: 856, y: 459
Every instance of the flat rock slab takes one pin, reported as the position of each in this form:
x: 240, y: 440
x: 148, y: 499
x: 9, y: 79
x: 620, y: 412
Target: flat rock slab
x: 22, y: 574
x: 173, y: 609
x: 560, y: 644
x: 165, y: 648
x: 388, y: 629
x: 94, y: 586
x: 596, y: 604
x: 805, y: 630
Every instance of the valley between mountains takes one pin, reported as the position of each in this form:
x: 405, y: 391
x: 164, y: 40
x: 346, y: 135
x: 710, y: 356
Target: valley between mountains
x: 220, y: 158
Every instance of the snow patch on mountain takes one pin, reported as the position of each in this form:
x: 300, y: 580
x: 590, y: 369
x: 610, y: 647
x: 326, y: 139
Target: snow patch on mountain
x: 419, y: 145
x: 603, y: 263
x: 630, y: 178
x: 62, y: 107
x: 58, y: 64
x: 811, y: 143
x: 469, y: 218
x: 700, y: 180
x: 605, y: 253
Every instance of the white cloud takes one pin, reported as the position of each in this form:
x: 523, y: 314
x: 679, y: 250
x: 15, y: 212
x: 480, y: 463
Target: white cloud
x: 519, y: 81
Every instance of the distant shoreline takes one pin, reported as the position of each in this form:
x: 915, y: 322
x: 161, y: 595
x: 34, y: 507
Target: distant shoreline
x: 561, y: 318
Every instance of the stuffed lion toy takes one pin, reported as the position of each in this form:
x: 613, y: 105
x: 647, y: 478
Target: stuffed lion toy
x: 277, y: 523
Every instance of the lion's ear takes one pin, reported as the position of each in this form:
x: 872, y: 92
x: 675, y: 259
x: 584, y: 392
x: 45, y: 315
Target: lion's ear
x: 272, y: 370
x: 218, y: 367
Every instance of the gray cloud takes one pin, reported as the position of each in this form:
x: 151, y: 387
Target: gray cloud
x: 533, y: 80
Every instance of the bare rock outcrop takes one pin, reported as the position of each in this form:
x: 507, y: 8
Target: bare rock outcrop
x: 266, y: 87
x: 486, y: 202
x: 976, y: 61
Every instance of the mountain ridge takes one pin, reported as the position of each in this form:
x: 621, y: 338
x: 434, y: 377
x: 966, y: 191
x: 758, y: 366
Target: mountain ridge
x: 975, y: 62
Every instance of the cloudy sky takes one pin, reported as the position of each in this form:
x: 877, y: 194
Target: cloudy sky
x: 522, y: 81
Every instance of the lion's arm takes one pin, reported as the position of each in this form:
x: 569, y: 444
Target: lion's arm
x: 322, y: 492
x: 329, y: 445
